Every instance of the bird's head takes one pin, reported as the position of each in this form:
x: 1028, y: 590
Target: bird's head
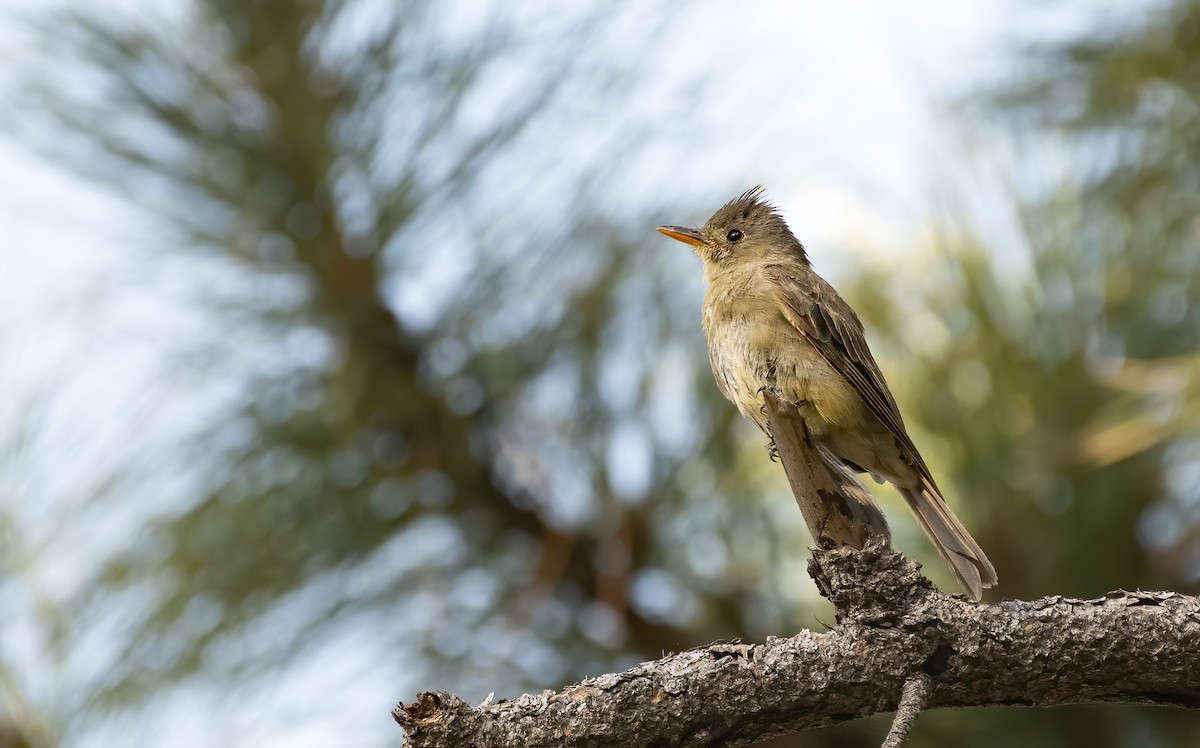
x: 744, y: 229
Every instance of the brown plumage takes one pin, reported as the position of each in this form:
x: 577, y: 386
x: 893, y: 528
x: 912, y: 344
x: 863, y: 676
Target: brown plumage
x: 771, y: 321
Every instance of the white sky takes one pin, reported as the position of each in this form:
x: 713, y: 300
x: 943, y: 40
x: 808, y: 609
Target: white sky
x: 833, y: 105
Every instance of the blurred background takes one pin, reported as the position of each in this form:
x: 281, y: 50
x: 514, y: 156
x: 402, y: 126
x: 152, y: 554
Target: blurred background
x: 339, y: 358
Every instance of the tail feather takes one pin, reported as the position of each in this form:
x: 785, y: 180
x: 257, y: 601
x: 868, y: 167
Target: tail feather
x: 956, y: 545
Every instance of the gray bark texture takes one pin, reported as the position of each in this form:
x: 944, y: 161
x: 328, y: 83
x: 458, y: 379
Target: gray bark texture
x: 893, y: 627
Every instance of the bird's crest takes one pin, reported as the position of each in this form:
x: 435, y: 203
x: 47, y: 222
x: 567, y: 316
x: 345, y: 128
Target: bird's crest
x: 751, y: 205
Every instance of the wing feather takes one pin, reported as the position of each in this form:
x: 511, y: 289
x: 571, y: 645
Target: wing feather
x: 816, y: 310
x: 812, y: 306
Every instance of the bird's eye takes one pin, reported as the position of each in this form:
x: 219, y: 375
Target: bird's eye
x: 734, y: 235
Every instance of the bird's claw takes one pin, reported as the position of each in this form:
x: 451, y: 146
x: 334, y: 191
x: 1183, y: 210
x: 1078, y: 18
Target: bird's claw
x: 775, y: 390
x: 772, y: 451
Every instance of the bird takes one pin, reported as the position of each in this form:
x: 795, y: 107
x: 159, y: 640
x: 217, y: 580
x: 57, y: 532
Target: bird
x: 772, y: 322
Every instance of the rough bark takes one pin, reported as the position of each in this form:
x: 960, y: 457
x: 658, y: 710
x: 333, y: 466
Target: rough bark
x: 892, y: 625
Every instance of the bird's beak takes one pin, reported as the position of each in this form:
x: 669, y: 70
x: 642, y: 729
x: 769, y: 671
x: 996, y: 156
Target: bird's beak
x: 687, y: 236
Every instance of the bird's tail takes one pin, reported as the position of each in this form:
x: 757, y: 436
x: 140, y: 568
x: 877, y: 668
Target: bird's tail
x: 953, y: 541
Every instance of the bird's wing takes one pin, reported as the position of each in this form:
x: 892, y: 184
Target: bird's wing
x: 815, y: 309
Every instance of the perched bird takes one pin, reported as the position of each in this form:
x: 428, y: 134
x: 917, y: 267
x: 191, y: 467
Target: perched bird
x: 772, y: 322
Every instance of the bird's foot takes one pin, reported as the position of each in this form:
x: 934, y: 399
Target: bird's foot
x: 776, y: 391
x: 761, y: 391
x: 772, y: 451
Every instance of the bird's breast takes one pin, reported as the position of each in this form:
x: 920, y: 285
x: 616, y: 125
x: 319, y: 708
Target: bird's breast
x: 752, y: 345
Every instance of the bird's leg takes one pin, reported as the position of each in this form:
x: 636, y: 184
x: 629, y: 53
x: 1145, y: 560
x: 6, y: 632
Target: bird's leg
x: 773, y: 389
x: 772, y: 449
x: 779, y: 394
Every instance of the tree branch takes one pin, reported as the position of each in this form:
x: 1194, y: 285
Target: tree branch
x: 893, y: 625
x: 838, y: 509
x: 913, y: 698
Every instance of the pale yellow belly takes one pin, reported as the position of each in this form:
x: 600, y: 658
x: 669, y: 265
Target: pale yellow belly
x: 746, y: 357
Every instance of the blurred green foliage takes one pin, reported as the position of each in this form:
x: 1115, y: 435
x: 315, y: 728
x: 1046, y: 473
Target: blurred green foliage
x: 458, y: 379
x: 1056, y: 374
x: 471, y: 413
